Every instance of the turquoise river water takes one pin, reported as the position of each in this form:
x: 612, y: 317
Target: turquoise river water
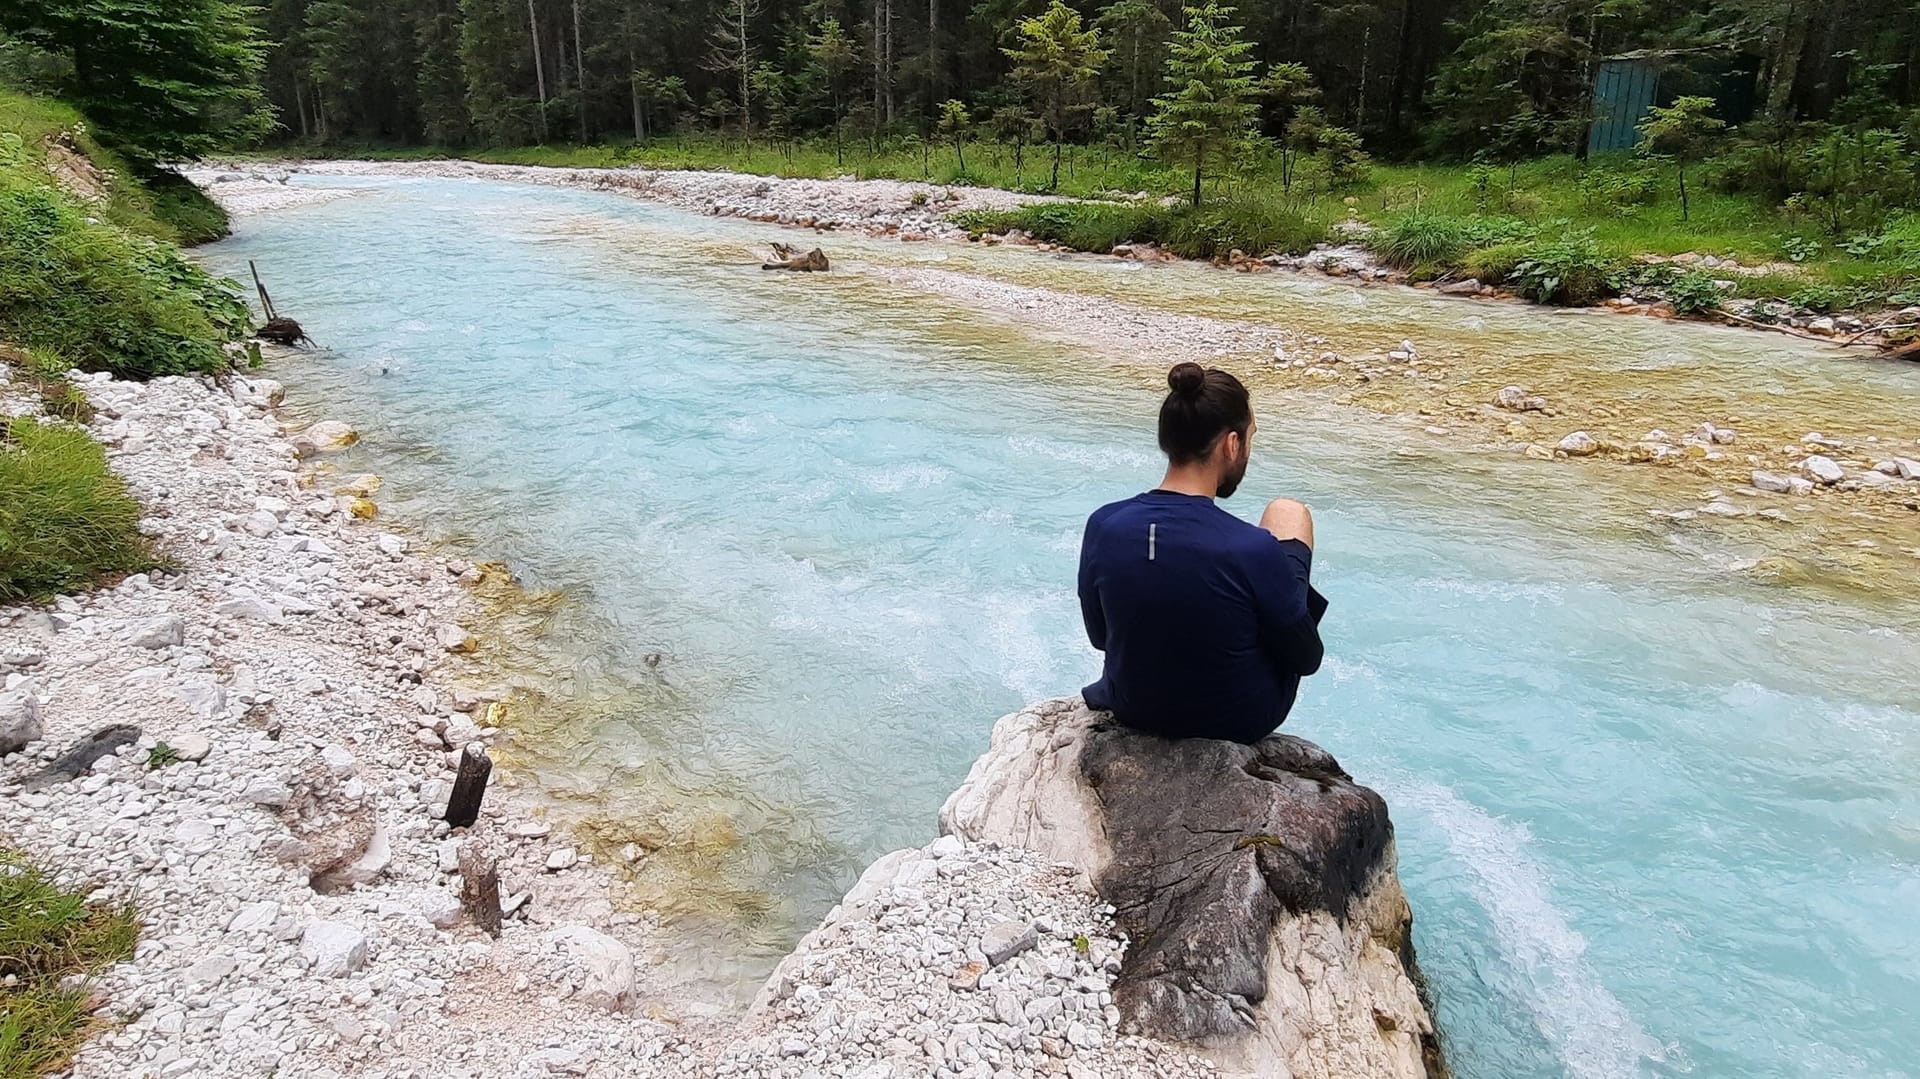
x: 1653, y: 821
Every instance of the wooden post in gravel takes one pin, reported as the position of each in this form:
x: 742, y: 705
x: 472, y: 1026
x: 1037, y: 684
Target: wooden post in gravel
x: 469, y: 786
x: 480, y: 887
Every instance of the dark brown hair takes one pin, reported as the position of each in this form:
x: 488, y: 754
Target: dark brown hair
x: 1202, y: 405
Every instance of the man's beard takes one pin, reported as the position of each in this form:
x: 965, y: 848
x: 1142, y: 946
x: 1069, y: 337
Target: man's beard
x: 1230, y: 482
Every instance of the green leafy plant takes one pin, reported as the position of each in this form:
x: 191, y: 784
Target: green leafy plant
x: 1570, y: 269
x: 1799, y: 248
x: 107, y: 300
x: 161, y: 755
x: 1693, y: 292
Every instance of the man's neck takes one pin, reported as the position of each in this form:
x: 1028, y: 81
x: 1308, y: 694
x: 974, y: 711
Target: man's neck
x: 1191, y: 481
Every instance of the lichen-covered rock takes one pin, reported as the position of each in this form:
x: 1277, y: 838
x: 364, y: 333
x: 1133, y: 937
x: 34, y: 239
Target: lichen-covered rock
x: 1257, y: 883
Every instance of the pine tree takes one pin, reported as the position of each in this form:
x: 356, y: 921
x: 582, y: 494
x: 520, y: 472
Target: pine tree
x: 956, y: 124
x: 831, y: 54
x: 1682, y: 131
x: 1207, y: 111
x: 1056, y: 60
x: 1138, y: 31
x: 162, y: 81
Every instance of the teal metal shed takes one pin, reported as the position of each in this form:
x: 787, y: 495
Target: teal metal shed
x: 1624, y: 90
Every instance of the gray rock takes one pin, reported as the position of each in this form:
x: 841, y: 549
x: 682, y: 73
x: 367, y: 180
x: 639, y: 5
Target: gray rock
x: 19, y: 720
x: 168, y: 632
x: 22, y: 659
x: 249, y: 607
x: 1579, y: 444
x: 81, y: 757
x: 334, y: 949
x: 255, y: 917
x: 1468, y: 287
x: 603, y: 965
x: 1822, y: 469
x: 191, y: 747
x: 1004, y: 940
x: 438, y: 906
x: 269, y: 792
x: 1517, y: 399
x: 1219, y: 859
x: 205, y: 698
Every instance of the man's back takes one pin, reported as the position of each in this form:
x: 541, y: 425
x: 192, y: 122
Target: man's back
x: 1207, y: 622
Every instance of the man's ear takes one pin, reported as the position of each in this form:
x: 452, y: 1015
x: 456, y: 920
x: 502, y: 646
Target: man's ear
x: 1232, y: 445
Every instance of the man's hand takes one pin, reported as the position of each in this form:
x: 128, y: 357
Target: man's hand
x: 1288, y: 519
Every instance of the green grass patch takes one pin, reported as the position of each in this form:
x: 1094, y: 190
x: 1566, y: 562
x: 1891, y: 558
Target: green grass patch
x: 49, y: 935
x: 66, y: 520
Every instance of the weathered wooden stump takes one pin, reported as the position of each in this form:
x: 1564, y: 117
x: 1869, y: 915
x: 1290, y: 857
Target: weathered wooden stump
x: 480, y: 888
x: 469, y: 786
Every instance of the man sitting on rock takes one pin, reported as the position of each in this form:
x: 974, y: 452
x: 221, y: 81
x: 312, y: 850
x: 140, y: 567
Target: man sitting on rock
x: 1208, y: 623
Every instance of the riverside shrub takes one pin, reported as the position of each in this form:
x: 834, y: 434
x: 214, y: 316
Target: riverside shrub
x: 1253, y: 225
x: 65, y: 518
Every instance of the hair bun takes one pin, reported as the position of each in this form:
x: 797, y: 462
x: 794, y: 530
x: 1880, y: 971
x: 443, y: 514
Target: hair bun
x: 1186, y: 379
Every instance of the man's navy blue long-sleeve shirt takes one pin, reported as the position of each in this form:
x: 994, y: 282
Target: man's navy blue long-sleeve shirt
x: 1208, y: 623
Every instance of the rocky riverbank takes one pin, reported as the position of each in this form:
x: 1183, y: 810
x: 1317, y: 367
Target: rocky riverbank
x: 910, y: 211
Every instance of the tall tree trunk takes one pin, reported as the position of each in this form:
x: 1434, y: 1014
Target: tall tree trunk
x: 746, y: 67
x: 539, y: 69
x: 934, y: 72
x: 889, y: 66
x: 879, y: 60
x: 1785, y: 63
x: 633, y: 92
x: 1402, y: 63
x: 1366, y: 62
x: 580, y: 69
x: 300, y: 107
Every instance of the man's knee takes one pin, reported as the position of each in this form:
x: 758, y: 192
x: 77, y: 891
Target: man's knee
x: 1288, y: 519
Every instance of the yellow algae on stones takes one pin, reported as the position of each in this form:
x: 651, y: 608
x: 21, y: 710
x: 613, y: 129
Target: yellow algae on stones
x: 362, y: 486
x: 362, y: 508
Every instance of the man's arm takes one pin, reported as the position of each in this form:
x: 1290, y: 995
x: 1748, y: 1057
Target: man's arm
x: 1090, y: 612
x: 1289, y: 608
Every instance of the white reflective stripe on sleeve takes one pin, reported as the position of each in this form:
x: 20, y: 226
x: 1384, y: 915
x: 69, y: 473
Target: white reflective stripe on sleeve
x: 1151, y: 529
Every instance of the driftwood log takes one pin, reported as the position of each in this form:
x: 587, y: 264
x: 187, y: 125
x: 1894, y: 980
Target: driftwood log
x: 788, y: 257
